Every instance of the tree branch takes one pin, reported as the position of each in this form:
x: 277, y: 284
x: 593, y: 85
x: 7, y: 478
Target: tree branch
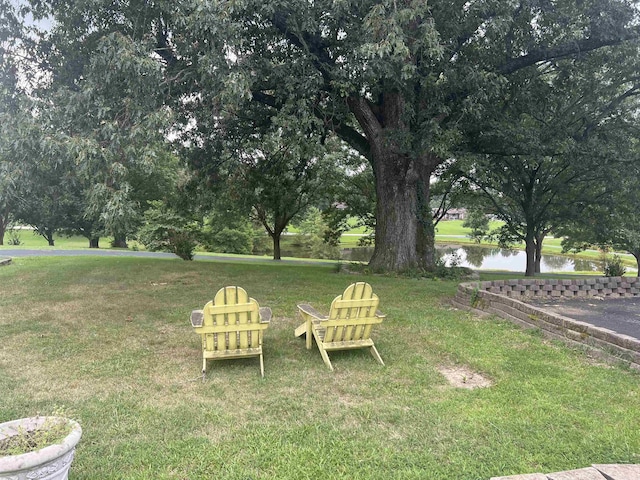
x: 544, y: 54
x: 163, y: 49
x: 311, y: 43
x: 354, y: 138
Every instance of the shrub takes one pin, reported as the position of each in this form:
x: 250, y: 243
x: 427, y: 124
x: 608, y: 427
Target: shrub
x: 227, y: 232
x: 230, y: 240
x: 613, y: 266
x: 312, y: 236
x: 14, y: 238
x: 168, y: 231
x: 262, y: 243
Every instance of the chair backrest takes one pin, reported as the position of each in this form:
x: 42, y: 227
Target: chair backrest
x: 352, y: 314
x: 231, y: 321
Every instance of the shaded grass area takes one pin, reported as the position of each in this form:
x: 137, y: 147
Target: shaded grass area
x: 109, y: 341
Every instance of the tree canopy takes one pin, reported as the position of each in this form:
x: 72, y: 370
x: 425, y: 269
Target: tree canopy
x: 548, y: 144
x: 403, y: 83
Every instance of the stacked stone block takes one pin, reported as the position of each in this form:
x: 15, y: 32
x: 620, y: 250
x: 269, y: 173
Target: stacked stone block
x: 576, y: 287
x: 503, y: 298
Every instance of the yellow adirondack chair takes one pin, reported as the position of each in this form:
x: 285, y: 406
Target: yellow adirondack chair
x: 348, y: 325
x: 231, y: 326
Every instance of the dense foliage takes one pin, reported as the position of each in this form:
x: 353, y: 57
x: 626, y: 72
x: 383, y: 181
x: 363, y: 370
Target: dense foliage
x: 410, y: 86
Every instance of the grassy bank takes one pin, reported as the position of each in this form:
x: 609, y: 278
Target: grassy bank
x: 109, y: 341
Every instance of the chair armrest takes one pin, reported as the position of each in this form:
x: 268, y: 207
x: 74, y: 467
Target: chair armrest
x: 379, y: 314
x: 197, y: 318
x: 265, y: 314
x: 309, y: 310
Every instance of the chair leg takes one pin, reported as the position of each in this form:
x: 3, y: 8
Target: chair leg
x: 376, y: 355
x: 261, y: 366
x: 325, y: 357
x: 323, y: 352
x: 204, y: 365
x: 305, y: 328
x: 301, y: 329
x: 309, y: 335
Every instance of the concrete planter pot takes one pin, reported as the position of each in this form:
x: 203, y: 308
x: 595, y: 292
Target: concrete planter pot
x: 51, y: 462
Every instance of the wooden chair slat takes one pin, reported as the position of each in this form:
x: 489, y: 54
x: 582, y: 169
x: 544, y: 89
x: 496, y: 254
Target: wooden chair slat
x: 348, y: 325
x: 232, y: 326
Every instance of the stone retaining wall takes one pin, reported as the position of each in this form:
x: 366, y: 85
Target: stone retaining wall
x: 4, y: 261
x: 503, y: 298
x: 575, y: 287
x: 595, y: 472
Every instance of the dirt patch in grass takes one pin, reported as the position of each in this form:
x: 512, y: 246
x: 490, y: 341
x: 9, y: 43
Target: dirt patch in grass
x: 463, y: 377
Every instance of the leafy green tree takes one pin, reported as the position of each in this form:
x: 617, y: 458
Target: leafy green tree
x: 478, y: 221
x: 165, y: 229
x: 105, y: 101
x: 312, y: 235
x: 9, y: 179
x: 613, y: 222
x: 128, y: 153
x: 11, y: 112
x: 279, y: 175
x: 355, y: 196
x: 36, y: 176
x: 43, y: 192
x: 546, y: 146
x: 228, y: 229
x: 79, y: 223
x: 45, y: 200
x: 401, y: 82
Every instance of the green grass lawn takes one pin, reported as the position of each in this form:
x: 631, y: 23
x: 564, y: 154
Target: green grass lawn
x: 109, y: 340
x: 29, y: 240
x: 454, y: 227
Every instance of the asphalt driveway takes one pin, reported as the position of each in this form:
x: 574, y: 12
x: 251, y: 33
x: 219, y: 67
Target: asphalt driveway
x: 619, y: 314
x: 19, y: 252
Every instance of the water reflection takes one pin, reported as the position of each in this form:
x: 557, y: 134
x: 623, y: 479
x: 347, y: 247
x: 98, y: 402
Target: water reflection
x: 484, y: 258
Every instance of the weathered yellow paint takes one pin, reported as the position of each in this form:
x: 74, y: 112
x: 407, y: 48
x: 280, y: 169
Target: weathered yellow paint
x: 348, y: 324
x: 231, y: 326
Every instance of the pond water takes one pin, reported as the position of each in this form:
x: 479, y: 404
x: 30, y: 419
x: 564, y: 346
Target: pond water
x: 483, y: 258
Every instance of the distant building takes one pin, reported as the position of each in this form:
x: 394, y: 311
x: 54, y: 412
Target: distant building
x: 455, y: 214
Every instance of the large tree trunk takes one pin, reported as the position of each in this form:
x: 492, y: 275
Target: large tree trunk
x: 637, y: 257
x: 94, y: 242
x: 405, y: 238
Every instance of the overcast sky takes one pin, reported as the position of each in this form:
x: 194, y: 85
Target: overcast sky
x: 42, y: 24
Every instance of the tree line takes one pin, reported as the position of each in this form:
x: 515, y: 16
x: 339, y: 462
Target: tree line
x: 526, y: 110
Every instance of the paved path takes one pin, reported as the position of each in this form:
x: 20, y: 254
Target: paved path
x: 621, y: 315
x: 595, y: 472
x: 19, y: 252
